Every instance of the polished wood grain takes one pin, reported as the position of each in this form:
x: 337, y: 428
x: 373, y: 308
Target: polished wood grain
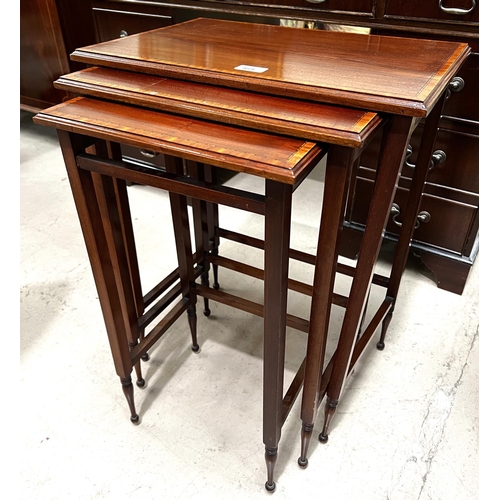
x: 274, y: 157
x: 397, y: 75
x: 42, y: 54
x: 50, y: 30
x: 315, y: 121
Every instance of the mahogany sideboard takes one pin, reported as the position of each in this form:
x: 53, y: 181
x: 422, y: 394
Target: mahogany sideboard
x: 447, y: 236
x: 49, y: 31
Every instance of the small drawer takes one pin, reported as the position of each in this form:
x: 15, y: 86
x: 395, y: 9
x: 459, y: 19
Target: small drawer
x: 113, y: 24
x: 462, y: 11
x: 444, y: 223
x: 143, y: 157
x: 455, y: 161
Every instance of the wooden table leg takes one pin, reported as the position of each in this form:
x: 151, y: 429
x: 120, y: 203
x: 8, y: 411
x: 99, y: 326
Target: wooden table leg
x: 277, y: 242
x: 115, y: 320
x: 412, y: 207
x: 336, y: 187
x: 180, y: 221
x: 200, y: 221
x: 121, y: 209
x: 213, y: 224
x: 396, y: 136
x: 114, y: 152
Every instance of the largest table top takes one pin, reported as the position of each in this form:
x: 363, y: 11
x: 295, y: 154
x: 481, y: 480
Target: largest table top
x: 379, y: 73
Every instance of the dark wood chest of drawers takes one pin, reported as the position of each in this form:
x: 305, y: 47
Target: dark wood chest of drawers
x: 49, y: 31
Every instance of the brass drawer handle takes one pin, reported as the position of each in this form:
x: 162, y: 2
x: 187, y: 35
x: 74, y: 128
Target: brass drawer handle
x: 409, y: 152
x: 422, y: 217
x: 315, y: 1
x: 438, y: 156
x: 147, y: 153
x: 458, y: 12
x: 123, y: 34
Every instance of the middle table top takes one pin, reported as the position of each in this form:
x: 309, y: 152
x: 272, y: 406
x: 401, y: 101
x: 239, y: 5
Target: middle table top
x: 380, y: 73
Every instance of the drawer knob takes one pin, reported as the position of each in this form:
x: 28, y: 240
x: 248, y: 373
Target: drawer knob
x: 123, y: 34
x: 456, y: 84
x: 438, y: 156
x: 422, y: 217
x: 457, y: 12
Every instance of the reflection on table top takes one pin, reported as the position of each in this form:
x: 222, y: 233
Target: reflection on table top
x: 381, y: 73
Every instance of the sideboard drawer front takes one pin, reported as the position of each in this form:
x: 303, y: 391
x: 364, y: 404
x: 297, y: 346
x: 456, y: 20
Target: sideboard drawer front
x: 461, y: 164
x: 459, y: 169
x: 462, y: 11
x: 113, y: 24
x: 344, y: 6
x: 449, y: 226
x: 450, y: 221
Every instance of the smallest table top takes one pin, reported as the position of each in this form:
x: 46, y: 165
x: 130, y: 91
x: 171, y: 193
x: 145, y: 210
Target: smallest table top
x: 380, y: 73
x: 284, y: 159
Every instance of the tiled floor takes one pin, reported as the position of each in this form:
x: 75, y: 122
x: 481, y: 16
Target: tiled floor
x: 406, y: 428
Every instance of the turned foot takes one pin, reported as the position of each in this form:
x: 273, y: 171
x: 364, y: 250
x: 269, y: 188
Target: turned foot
x: 322, y: 438
x: 305, y: 439
x: 330, y: 408
x: 140, y: 380
x: 128, y: 391
x: 138, y: 371
x: 271, y: 456
x: 191, y: 313
x: 385, y: 326
x: 270, y: 487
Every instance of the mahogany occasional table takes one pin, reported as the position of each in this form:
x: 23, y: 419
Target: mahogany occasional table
x: 403, y: 79
x: 89, y: 132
